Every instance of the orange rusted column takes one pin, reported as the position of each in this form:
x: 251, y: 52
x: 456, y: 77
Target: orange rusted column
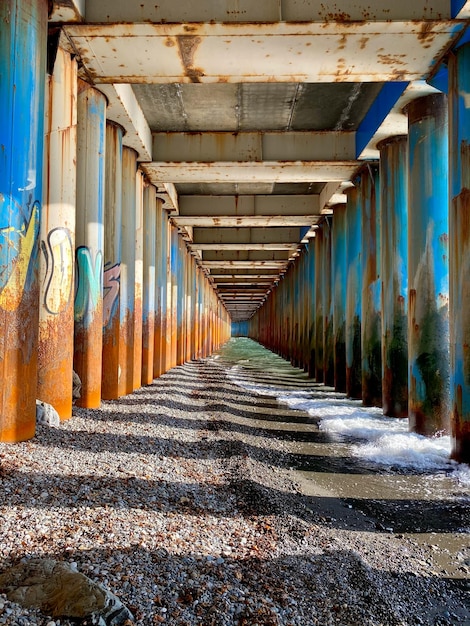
x: 169, y: 298
x: 112, y: 262
x: 56, y: 261
x: 89, y: 243
x: 149, y: 275
x: 23, y: 38
x: 181, y: 300
x: 126, y: 333
x: 138, y: 279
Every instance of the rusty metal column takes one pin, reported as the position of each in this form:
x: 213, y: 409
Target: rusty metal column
x: 150, y: 277
x: 459, y: 230
x: 371, y: 315
x: 312, y: 307
x: 23, y: 38
x: 173, y: 328
x: 319, y: 303
x: 428, y: 317
x: 112, y: 262
x: 181, y: 302
x: 328, y: 338
x: 138, y: 279
x: 56, y: 262
x: 89, y: 242
x: 339, y: 284
x: 126, y: 349
x: 160, y: 290
x: 168, y: 287
x: 394, y: 273
x: 353, y: 294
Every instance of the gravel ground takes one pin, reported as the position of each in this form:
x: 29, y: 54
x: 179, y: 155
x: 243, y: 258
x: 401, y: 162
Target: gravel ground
x: 188, y: 519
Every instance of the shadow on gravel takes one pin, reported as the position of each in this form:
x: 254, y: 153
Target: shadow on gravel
x: 33, y: 490
x: 322, y: 587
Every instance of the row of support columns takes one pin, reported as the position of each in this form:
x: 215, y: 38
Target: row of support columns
x: 371, y: 290
x: 94, y: 278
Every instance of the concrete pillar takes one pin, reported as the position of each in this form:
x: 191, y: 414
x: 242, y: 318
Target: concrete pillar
x: 89, y: 241
x: 394, y: 274
x: 111, y: 368
x: 23, y: 33
x: 319, y: 304
x: 128, y: 256
x: 353, y: 293
x: 149, y: 280
x: 459, y: 233
x: 138, y: 279
x: 181, y: 300
x: 428, y: 317
x: 328, y: 338
x: 339, y: 279
x: 56, y: 259
x: 371, y: 314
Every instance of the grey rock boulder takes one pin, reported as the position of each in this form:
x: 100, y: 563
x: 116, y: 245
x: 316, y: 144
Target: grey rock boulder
x: 59, y: 590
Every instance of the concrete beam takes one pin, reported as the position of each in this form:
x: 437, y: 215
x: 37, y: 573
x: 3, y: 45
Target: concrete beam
x: 245, y: 238
x: 251, y: 172
x: 243, y: 246
x: 124, y: 109
x: 143, y: 52
x: 249, y: 205
x: 245, y: 264
x: 67, y: 11
x: 274, y: 11
x: 260, y: 221
x: 254, y: 146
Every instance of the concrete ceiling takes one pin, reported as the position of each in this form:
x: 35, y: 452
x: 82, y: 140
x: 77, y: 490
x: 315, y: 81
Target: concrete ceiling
x: 251, y: 118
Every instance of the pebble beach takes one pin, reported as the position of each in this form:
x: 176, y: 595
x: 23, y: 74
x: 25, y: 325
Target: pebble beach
x: 180, y: 499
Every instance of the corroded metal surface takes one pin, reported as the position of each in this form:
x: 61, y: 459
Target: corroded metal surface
x: 428, y: 317
x: 112, y: 263
x: 23, y: 29
x: 149, y: 282
x: 138, y: 281
x: 88, y: 308
x: 394, y: 274
x: 371, y: 314
x: 339, y: 289
x: 56, y: 260
x: 353, y: 294
x: 459, y: 248
x: 319, y: 304
x: 328, y: 338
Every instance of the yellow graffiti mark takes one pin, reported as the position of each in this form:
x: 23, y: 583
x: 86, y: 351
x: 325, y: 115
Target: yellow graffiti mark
x: 12, y: 293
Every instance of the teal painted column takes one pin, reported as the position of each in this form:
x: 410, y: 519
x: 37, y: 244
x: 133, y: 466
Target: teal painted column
x: 428, y: 271
x: 394, y: 272
x: 312, y: 306
x: 149, y: 279
x: 319, y: 303
x: 328, y: 337
x: 353, y: 293
x: 23, y: 38
x: 371, y: 313
x: 89, y: 242
x: 339, y: 279
x: 459, y: 239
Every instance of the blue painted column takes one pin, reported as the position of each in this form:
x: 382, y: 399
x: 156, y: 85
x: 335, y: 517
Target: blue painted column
x: 89, y: 242
x: 111, y: 368
x: 353, y: 293
x: 149, y: 279
x: 459, y: 238
x: 339, y: 276
x: 394, y: 273
x: 23, y: 33
x: 312, y: 307
x: 428, y: 275
x: 319, y: 303
x: 371, y: 314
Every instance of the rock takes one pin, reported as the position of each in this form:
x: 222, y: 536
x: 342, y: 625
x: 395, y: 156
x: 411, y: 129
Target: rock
x: 57, y: 589
x: 77, y: 386
x: 46, y: 414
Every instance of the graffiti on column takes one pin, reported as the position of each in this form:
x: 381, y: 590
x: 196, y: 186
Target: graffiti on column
x: 58, y: 254
x: 89, y: 284
x: 20, y: 243
x: 111, y: 286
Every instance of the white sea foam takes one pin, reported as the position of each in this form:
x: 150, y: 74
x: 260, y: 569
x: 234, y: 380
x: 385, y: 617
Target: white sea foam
x: 378, y: 439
